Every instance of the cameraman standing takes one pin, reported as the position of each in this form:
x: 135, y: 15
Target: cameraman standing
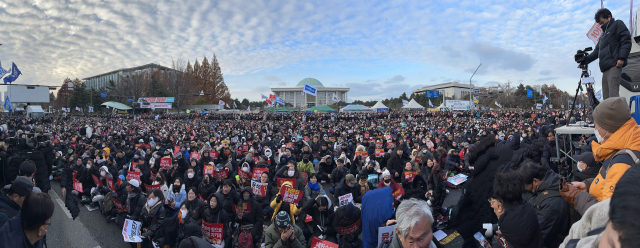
x: 612, y: 49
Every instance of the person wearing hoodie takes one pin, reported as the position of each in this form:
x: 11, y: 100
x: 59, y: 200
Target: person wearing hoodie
x: 397, y: 190
x: 552, y: 211
x: 270, y: 193
x: 151, y: 217
x: 11, y: 199
x: 291, y: 172
x: 321, y: 212
x: 325, y: 167
x: 346, y: 216
x: 229, y: 195
x: 207, y: 186
x: 338, y: 174
x: 194, y: 204
x: 253, y: 218
x: 395, y: 164
x: 177, y: 227
x: 278, y: 205
x: 177, y: 194
x: 517, y: 220
x: 214, y: 213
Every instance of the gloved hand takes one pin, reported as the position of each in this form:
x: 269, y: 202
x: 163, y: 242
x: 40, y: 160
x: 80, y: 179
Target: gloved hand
x: 568, y: 192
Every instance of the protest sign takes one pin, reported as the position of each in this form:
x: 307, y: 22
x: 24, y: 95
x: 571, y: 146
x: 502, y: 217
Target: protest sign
x: 77, y: 186
x: 133, y: 166
x: 419, y: 159
x: 280, y: 181
x: 258, y: 188
x: 308, y: 218
x: 130, y: 231
x: 457, y: 179
x: 133, y: 175
x: 379, y: 153
x: 362, y: 154
x: 366, y: 135
x: 208, y: 169
x: 289, y: 145
x: 213, y: 154
x: 321, y: 243
x: 349, y: 229
x: 385, y: 234
x: 221, y: 174
x: 150, y: 188
x: 118, y: 204
x: 244, y: 174
x: 213, y: 231
x: 96, y: 180
x: 391, y: 144
x: 194, y: 155
x: 373, y: 178
x: 245, y: 147
x: 165, y: 163
x: 409, y: 175
x: 256, y: 159
x: 378, y: 144
x: 291, y: 195
x: 243, y: 209
x: 345, y: 199
x: 396, y: 194
x: 110, y: 184
x: 176, y: 150
x: 257, y: 173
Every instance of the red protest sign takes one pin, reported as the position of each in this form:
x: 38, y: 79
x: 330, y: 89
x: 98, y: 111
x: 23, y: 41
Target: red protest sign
x: 213, y: 154
x: 396, y: 194
x: 391, y: 144
x: 244, y: 174
x: 110, y: 184
x: 150, y: 188
x: 321, y: 243
x: 194, y: 155
x: 257, y: 173
x: 308, y: 219
x: 419, y: 159
x: 165, y: 163
x: 256, y: 159
x: 221, y: 174
x: 305, y: 138
x: 133, y: 166
x: 96, y: 180
x: 133, y: 175
x: 208, y: 169
x: 366, y: 135
x: 176, y: 150
x: 258, y: 188
x: 152, y: 175
x: 213, y: 231
x: 291, y: 195
x: 244, y: 209
x: 362, y: 154
x: 280, y: 181
x: 378, y: 144
x: 77, y: 186
x: 239, y: 152
x: 249, y: 142
x: 289, y: 145
x: 379, y: 153
x: 409, y: 175
x: 245, y: 147
x: 349, y: 229
x: 118, y: 204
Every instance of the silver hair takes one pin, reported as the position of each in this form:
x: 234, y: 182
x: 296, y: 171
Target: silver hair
x: 409, y: 213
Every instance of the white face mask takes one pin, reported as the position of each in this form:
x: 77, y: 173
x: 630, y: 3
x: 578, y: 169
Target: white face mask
x: 152, y: 202
x: 88, y: 166
x: 291, y: 172
x: 598, y: 137
x: 190, y: 175
x: 184, y: 213
x: 102, y: 173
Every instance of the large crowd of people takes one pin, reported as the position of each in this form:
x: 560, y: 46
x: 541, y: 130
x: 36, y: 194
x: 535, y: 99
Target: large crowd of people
x: 293, y: 180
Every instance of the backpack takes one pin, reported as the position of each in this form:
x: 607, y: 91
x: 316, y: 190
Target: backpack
x: 544, y: 196
x: 244, y: 239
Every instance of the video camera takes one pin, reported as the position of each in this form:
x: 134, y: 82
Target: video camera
x: 581, y: 55
x: 28, y: 142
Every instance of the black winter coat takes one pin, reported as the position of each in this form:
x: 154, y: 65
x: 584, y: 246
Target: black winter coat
x: 553, y: 215
x: 520, y: 227
x: 151, y: 221
x: 614, y: 45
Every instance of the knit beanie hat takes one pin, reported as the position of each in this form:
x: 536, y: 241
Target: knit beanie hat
x: 282, y: 219
x: 612, y: 113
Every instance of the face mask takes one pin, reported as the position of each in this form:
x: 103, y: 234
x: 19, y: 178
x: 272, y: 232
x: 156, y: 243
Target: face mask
x: 152, y: 202
x: 102, y: 173
x: 190, y: 175
x: 305, y: 160
x: 387, y: 181
x: 184, y: 213
x: 176, y: 188
x: 158, y: 179
x: 157, y: 148
x: 246, y: 197
x: 88, y: 166
x: 598, y: 136
x: 291, y: 172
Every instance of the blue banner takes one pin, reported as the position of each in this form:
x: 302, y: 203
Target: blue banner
x: 529, y: 93
x: 14, y: 74
x: 129, y: 100
x: 103, y: 94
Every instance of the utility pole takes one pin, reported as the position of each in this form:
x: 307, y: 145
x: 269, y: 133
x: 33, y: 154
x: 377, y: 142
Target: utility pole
x: 471, y: 87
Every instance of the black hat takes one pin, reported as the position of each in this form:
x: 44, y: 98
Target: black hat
x: 22, y: 186
x: 587, y: 158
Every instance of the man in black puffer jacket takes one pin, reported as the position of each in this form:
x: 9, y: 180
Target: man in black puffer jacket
x: 612, y: 49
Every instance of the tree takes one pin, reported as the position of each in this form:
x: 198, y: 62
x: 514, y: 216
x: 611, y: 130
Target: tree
x: 216, y: 85
x: 200, y: 101
x: 245, y: 102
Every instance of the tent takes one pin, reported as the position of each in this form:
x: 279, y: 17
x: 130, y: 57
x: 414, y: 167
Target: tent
x: 323, y: 109
x: 356, y: 108
x: 379, y: 107
x: 116, y: 105
x: 278, y: 110
x: 413, y: 105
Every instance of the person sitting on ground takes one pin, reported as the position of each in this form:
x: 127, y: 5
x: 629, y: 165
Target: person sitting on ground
x: 413, y: 228
x: 283, y: 233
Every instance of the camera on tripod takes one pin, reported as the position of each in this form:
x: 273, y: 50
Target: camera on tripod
x: 581, y: 56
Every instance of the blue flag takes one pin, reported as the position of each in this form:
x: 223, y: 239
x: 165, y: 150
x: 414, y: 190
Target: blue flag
x: 3, y: 71
x: 14, y: 74
x: 7, y: 105
x: 529, y: 93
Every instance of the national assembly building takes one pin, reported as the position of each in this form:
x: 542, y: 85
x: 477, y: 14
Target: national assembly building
x: 294, y: 95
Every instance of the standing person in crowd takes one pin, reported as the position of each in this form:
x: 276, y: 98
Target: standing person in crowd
x: 28, y: 229
x: 516, y: 218
x: 617, y: 146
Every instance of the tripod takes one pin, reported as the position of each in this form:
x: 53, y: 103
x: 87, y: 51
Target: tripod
x: 593, y: 101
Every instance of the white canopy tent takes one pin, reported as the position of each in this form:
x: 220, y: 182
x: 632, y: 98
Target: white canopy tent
x: 413, y: 105
x: 380, y: 107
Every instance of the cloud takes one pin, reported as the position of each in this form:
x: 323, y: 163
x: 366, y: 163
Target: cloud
x: 546, y: 79
x: 272, y: 78
x: 452, y: 53
x: 282, y: 83
x: 394, y: 80
x: 545, y: 72
x: 367, y: 91
x: 501, y: 58
x: 491, y: 83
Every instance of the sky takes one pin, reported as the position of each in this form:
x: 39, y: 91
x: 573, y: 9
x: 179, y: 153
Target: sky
x: 379, y: 49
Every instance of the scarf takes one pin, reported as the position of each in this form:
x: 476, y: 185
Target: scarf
x: 364, y: 187
x: 313, y: 186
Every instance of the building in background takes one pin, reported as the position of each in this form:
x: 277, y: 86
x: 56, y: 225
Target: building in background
x: 102, y: 80
x: 294, y: 95
x: 454, y: 90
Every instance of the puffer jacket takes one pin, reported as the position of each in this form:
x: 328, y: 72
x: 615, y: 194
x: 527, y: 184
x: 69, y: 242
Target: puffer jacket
x: 553, y: 213
x: 614, y: 45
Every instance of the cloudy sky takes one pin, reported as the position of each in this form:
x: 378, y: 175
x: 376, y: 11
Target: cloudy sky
x: 378, y: 48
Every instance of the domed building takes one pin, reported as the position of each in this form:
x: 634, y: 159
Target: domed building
x: 324, y: 95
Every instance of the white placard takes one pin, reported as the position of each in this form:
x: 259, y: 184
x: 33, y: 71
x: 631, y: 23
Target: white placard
x: 130, y: 231
x: 385, y: 234
x: 346, y: 199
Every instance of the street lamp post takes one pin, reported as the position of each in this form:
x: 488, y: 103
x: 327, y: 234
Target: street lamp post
x: 471, y: 87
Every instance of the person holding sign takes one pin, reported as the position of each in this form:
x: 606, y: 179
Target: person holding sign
x: 270, y: 192
x: 207, y: 186
x: 321, y: 212
x: 284, y: 233
x: 151, y: 217
x: 347, y: 222
x: 134, y: 203
x: 252, y: 214
x: 215, y: 214
x: 277, y: 204
x: 397, y: 190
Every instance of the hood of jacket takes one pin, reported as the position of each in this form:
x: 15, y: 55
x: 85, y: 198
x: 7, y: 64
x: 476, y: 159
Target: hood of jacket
x: 628, y: 136
x: 8, y: 203
x: 519, y: 225
x: 218, y: 207
x: 550, y: 181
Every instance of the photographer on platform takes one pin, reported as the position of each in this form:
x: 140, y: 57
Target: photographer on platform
x: 612, y: 49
